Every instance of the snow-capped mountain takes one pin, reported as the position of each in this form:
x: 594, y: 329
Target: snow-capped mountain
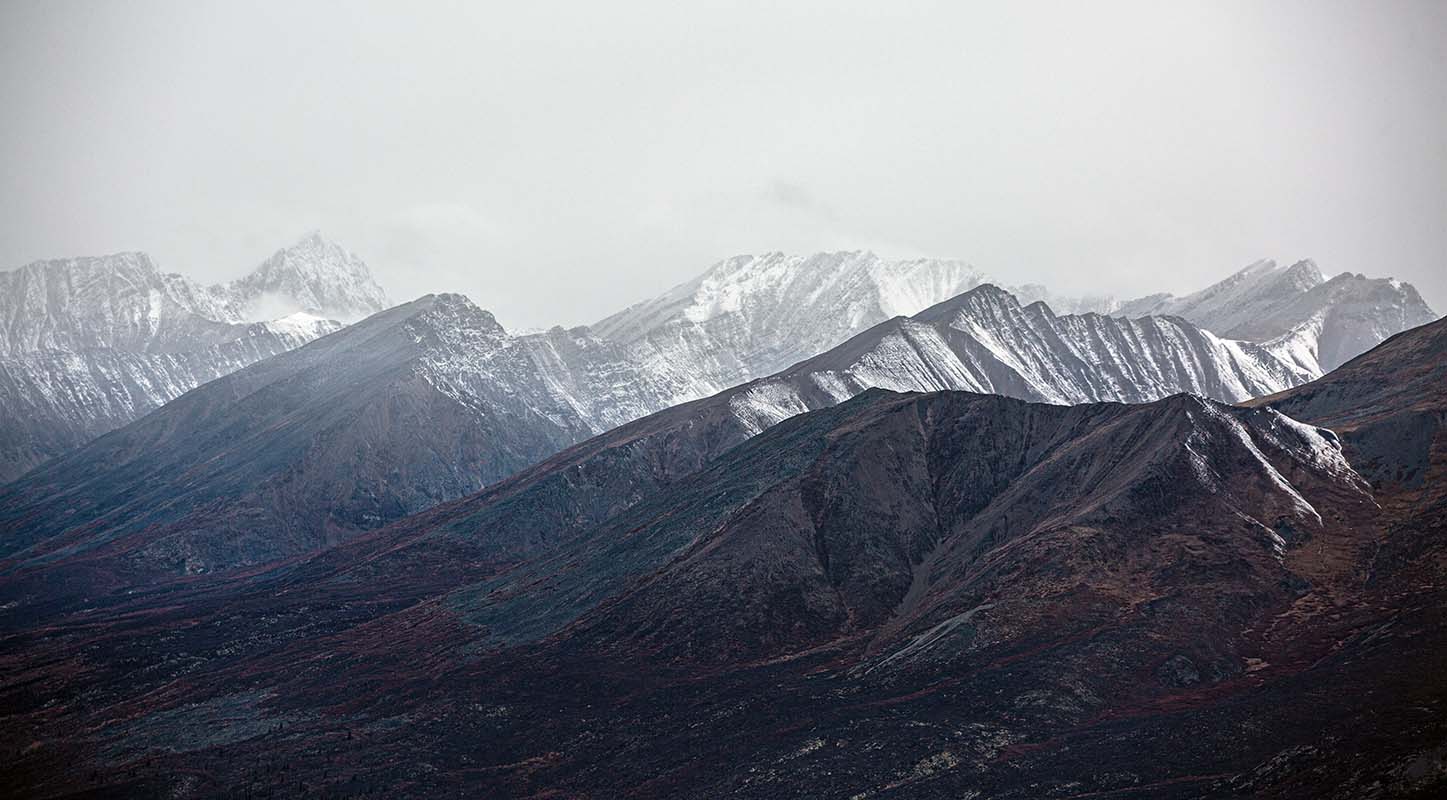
x: 433, y: 399
x: 750, y: 316
x: 1296, y: 312
x: 986, y: 341
x: 89, y: 344
x: 418, y: 404
x: 315, y: 276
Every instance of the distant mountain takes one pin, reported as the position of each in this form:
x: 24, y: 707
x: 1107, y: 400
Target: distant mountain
x: 314, y: 276
x: 797, y: 586
x: 751, y: 316
x: 89, y: 344
x: 1296, y: 312
x: 985, y: 341
x: 422, y: 403
x: 433, y: 400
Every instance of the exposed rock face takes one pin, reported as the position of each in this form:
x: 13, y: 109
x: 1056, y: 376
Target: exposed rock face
x: 89, y: 344
x: 1297, y: 313
x: 751, y: 316
x: 985, y: 341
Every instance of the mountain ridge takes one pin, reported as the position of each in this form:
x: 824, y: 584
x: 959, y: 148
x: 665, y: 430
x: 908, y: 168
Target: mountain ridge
x: 90, y: 344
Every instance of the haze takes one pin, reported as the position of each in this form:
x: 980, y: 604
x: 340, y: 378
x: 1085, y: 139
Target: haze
x: 556, y: 162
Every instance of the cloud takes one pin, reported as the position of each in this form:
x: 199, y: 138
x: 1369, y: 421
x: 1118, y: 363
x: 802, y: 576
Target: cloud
x: 796, y: 196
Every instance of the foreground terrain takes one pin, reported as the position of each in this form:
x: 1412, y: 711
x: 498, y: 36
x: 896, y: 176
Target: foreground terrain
x: 947, y: 594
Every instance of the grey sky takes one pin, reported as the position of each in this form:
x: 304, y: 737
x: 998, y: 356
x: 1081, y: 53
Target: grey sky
x: 556, y: 162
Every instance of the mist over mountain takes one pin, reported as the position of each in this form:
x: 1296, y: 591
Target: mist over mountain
x: 723, y: 401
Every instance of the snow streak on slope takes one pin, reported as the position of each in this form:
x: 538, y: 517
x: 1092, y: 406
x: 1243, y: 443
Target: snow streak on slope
x: 754, y: 315
x: 1296, y: 313
x: 985, y: 341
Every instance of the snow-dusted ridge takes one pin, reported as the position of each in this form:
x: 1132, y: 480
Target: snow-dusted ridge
x: 89, y: 344
x: 750, y: 316
x: 1296, y: 312
x: 986, y: 341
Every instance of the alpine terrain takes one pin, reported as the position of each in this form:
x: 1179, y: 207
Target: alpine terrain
x: 433, y: 400
x: 90, y: 344
x: 903, y: 595
x: 1297, y: 312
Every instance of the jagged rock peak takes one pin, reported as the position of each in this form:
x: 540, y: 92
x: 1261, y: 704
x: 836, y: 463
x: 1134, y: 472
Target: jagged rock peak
x: 315, y: 275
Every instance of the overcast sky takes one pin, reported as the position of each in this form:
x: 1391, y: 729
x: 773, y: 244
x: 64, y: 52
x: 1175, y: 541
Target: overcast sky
x: 558, y: 161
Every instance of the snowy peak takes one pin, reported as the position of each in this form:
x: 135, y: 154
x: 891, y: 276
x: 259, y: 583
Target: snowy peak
x: 316, y: 276
x: 453, y: 324
x: 749, y: 316
x: 756, y: 290
x: 1296, y: 311
x: 89, y: 344
x: 1240, y: 305
x: 1346, y: 316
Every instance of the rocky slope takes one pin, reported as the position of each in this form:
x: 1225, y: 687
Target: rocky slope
x: 751, y: 316
x: 433, y: 400
x: 89, y: 344
x: 917, y: 595
x: 1296, y: 312
x: 985, y: 341
x: 421, y: 403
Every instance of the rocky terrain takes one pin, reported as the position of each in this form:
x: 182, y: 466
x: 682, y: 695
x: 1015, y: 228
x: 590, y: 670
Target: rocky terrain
x: 90, y: 344
x: 751, y: 316
x: 434, y: 400
x: 1296, y: 312
x: 986, y: 341
x: 425, y: 402
x: 422, y: 555
x: 903, y: 595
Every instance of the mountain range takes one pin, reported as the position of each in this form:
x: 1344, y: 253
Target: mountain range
x: 1297, y: 312
x: 433, y: 400
x: 90, y: 344
x: 899, y: 595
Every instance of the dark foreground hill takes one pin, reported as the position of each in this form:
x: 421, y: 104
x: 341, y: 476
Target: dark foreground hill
x: 938, y: 595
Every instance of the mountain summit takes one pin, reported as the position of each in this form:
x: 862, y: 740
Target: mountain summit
x: 316, y: 276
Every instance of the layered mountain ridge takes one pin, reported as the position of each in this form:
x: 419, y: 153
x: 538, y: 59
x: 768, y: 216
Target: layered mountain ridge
x: 943, y: 594
x: 751, y: 316
x: 1297, y: 312
x: 90, y: 344
x: 432, y: 400
x: 985, y: 341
